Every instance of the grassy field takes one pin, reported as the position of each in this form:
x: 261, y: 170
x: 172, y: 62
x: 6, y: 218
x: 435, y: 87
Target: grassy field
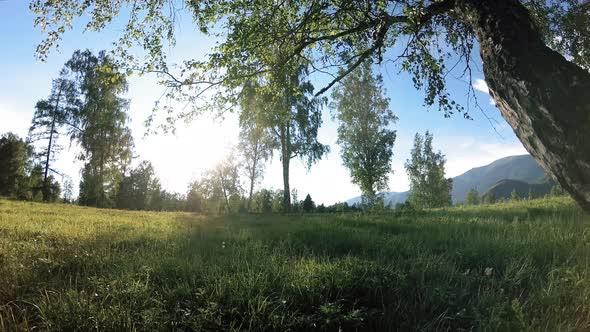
x: 515, y: 266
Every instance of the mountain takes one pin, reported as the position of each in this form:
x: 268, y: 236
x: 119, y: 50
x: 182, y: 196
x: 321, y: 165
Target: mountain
x: 390, y: 198
x: 521, y: 168
x: 503, y: 189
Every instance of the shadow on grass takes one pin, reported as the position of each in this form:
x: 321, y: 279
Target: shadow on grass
x: 354, y: 272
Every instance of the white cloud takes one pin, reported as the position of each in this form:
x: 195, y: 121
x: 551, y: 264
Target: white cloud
x: 492, y: 101
x: 481, y: 85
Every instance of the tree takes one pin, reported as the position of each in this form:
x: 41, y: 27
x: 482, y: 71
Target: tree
x: 256, y: 147
x: 308, y: 204
x: 68, y: 192
x: 472, y: 197
x: 263, y: 201
x: 556, y: 191
x: 296, y: 204
x: 514, y: 196
x: 286, y: 107
x: 195, y: 197
x: 51, y: 116
x: 15, y: 164
x: 218, y: 190
x: 140, y: 190
x: 521, y: 43
x: 531, y: 194
x: 366, y: 142
x: 225, y: 178
x: 278, y: 199
x: 105, y: 140
x: 31, y: 187
x: 488, y: 198
x: 426, y: 169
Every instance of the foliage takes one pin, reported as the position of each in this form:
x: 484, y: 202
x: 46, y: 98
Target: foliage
x: 514, y: 196
x: 218, y: 190
x: 68, y: 190
x: 426, y: 171
x: 308, y: 204
x: 52, y: 117
x: 262, y: 201
x: 488, y: 198
x: 105, y: 140
x: 565, y: 26
x: 140, y: 189
x: 366, y: 142
x: 15, y: 164
x: 255, y: 146
x: 557, y: 190
x: 514, y: 266
x: 472, y: 197
x: 283, y: 105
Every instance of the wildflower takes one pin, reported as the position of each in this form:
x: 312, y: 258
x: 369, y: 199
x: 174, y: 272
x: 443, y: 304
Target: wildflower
x: 223, y: 244
x: 488, y: 271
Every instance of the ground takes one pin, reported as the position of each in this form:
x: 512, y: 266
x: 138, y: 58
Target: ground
x: 509, y: 266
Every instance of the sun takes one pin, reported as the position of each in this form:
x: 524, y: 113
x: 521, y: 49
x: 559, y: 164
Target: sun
x: 182, y: 157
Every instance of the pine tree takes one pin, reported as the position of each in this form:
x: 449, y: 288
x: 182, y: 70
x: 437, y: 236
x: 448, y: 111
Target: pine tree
x: 53, y: 117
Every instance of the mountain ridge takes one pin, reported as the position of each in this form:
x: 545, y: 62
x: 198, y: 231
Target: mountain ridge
x: 523, y: 168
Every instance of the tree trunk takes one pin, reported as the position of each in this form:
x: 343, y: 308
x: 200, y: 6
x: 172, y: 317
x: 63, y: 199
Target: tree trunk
x: 46, y: 190
x: 286, y: 159
x: 544, y: 97
x: 253, y: 175
x: 223, y: 189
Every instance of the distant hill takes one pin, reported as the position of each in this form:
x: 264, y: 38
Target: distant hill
x: 523, y: 168
x: 390, y: 198
x: 503, y: 189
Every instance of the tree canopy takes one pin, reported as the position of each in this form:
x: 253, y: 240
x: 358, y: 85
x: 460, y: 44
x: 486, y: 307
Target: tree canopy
x: 519, y: 43
x: 429, y: 188
x: 364, y: 135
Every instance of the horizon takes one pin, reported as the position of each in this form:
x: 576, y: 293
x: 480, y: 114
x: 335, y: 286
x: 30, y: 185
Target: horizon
x: 180, y: 158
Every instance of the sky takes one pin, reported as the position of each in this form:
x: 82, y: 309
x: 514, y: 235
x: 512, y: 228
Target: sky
x: 181, y: 157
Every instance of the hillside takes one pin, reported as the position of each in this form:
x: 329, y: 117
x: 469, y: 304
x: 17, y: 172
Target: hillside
x: 503, y: 189
x: 522, y: 168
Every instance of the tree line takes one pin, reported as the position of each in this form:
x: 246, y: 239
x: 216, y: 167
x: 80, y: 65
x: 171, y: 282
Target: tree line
x: 277, y: 115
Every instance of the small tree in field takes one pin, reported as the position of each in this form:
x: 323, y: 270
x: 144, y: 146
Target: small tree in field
x: 308, y: 204
x: 68, y: 192
x: 426, y: 170
x: 472, y: 197
x: 366, y: 141
x: 514, y: 196
x: 488, y: 198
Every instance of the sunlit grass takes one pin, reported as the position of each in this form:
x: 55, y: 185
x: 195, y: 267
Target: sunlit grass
x: 521, y: 265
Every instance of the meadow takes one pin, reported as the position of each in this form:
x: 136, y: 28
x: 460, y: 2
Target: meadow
x: 510, y: 266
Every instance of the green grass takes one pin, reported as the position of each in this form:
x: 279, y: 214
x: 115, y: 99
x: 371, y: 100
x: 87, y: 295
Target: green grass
x: 516, y: 266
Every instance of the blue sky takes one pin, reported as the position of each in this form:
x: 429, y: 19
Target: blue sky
x: 195, y: 147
